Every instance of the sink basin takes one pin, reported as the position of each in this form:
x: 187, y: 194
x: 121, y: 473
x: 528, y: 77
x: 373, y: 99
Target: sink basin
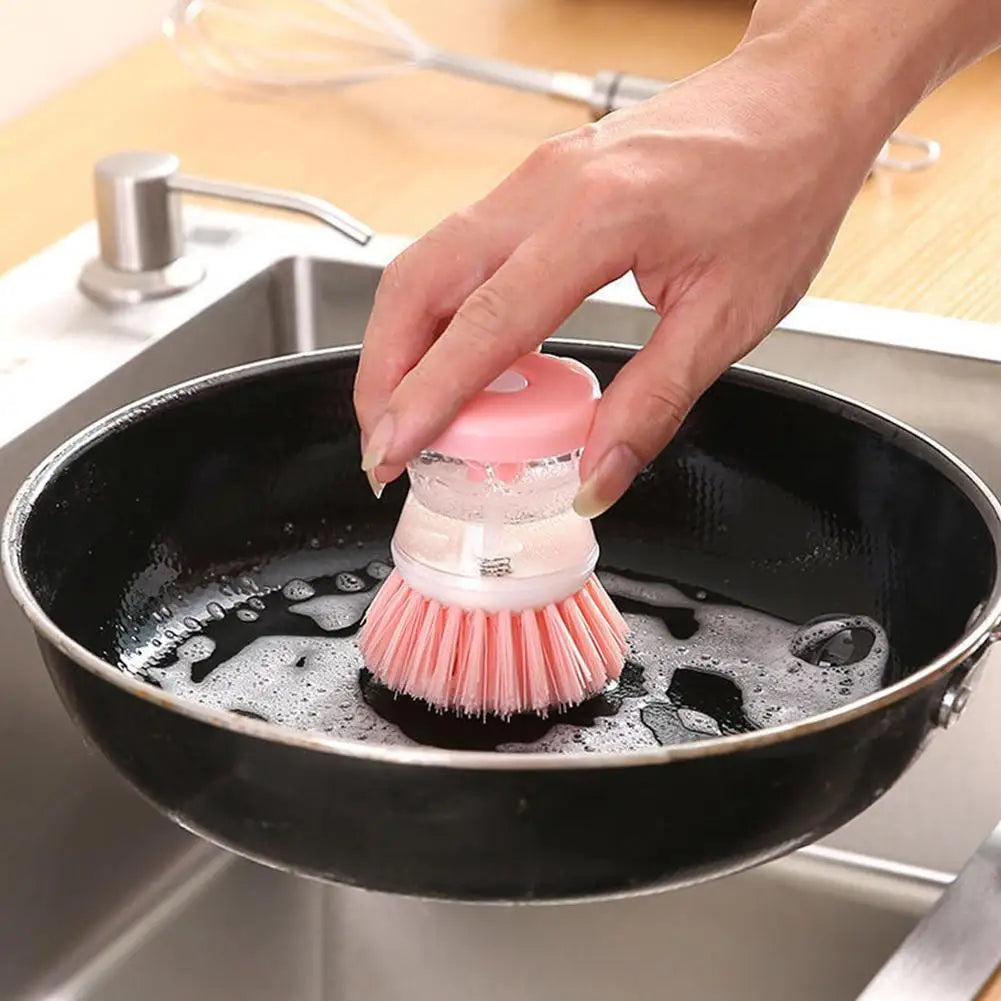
x: 151, y: 912
x: 802, y: 928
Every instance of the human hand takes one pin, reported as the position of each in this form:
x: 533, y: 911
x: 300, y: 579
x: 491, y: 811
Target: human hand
x: 722, y: 196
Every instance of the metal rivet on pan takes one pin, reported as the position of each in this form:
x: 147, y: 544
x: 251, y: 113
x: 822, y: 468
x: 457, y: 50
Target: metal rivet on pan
x: 953, y: 703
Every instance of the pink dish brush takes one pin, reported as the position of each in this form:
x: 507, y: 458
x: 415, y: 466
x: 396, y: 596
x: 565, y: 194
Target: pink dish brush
x: 493, y: 606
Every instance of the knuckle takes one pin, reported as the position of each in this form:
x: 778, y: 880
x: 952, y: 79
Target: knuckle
x: 482, y: 315
x: 550, y: 152
x: 563, y: 149
x: 670, y: 402
x: 394, y: 276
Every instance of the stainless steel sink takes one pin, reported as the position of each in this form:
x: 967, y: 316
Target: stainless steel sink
x: 101, y: 899
x: 802, y: 928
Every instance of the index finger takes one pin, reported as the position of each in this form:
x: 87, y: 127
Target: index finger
x: 417, y: 295
x: 510, y: 314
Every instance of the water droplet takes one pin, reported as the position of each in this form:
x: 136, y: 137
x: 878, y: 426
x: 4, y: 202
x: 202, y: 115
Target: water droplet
x: 298, y: 590
x: 288, y: 528
x: 314, y: 543
x: 191, y: 622
x: 247, y: 615
x: 215, y: 610
x: 256, y: 603
x: 378, y: 570
x: 349, y: 582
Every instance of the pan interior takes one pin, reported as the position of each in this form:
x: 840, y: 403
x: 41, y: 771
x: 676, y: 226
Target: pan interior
x: 786, y: 555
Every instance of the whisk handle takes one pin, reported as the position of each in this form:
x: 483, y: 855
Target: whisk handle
x: 608, y: 91
x: 573, y: 86
x: 612, y: 90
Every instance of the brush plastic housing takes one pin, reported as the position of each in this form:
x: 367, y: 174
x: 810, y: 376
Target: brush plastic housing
x: 493, y: 527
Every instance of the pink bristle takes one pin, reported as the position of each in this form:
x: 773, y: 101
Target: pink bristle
x: 504, y: 663
x: 606, y: 638
x: 439, y: 689
x: 420, y: 662
x: 610, y: 615
x: 581, y: 633
x: 382, y: 615
x: 398, y: 650
x: 471, y: 682
x: 567, y: 670
x: 537, y: 694
x: 505, y: 686
x: 448, y: 697
x: 520, y: 673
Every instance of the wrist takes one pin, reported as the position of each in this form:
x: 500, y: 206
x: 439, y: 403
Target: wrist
x: 852, y: 68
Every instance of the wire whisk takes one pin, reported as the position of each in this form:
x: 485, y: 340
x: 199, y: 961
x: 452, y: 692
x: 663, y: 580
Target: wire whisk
x: 274, y: 46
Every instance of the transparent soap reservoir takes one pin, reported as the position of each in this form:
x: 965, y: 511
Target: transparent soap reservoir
x: 495, y: 521
x: 489, y: 520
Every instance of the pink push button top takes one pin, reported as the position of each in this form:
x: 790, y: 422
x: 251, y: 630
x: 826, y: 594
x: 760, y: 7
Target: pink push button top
x: 541, y: 406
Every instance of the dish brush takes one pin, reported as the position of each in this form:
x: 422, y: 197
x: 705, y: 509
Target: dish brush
x: 493, y: 606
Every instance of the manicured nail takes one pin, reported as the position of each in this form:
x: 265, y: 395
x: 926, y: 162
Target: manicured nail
x: 608, y: 482
x: 374, y: 482
x: 379, y: 444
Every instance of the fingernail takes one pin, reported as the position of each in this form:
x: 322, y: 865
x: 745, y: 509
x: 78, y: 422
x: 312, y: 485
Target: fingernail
x: 608, y: 482
x: 379, y: 444
x: 374, y: 482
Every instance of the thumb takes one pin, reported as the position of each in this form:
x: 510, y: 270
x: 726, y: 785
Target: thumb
x: 648, y: 400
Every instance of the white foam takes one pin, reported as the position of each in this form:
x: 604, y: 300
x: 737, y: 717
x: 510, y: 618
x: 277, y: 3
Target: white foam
x: 752, y: 649
x: 304, y: 682
x: 334, y: 611
x: 311, y: 683
x: 195, y: 649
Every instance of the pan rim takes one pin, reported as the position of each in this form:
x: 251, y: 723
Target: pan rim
x: 979, y: 632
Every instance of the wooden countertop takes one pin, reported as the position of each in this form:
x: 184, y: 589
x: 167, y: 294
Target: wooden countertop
x: 402, y: 153
x: 993, y: 990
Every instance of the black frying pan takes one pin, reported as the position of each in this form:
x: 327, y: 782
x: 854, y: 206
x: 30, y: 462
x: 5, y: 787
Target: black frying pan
x: 774, y: 495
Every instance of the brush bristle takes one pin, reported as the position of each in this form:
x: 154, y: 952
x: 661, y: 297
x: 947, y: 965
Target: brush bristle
x: 494, y: 663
